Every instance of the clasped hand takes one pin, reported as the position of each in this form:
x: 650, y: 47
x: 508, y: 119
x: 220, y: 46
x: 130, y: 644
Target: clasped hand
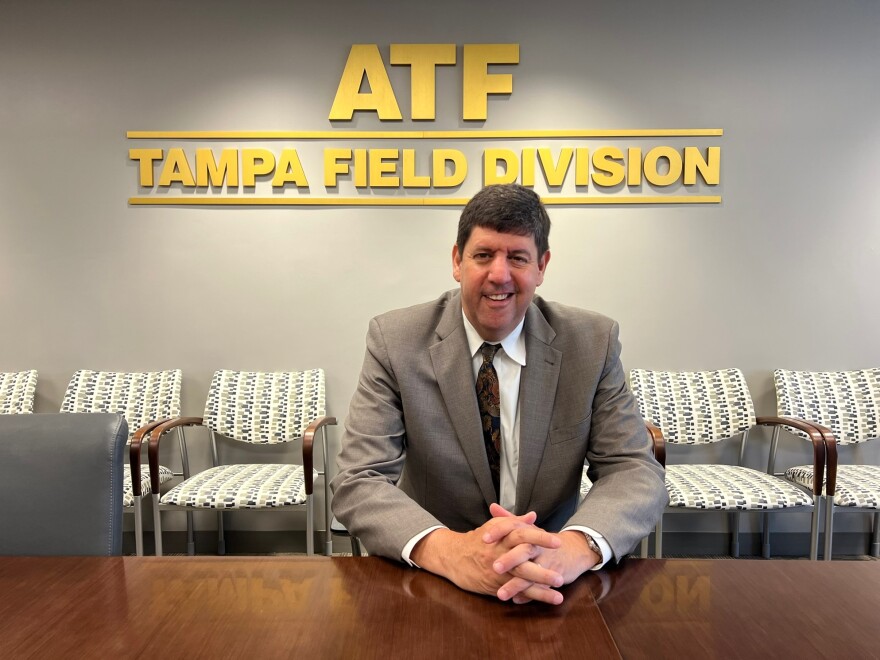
x: 508, y: 556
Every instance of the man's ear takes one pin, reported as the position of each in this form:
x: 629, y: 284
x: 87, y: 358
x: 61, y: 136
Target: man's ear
x: 542, y: 267
x: 456, y: 263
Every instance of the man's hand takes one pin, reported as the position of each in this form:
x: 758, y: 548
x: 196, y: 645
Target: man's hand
x: 470, y: 560
x: 526, y: 564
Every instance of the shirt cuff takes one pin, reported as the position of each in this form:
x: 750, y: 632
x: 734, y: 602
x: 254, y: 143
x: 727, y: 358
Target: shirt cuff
x: 600, y: 541
x: 408, y: 548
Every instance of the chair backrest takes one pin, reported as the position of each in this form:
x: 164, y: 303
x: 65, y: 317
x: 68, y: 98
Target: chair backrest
x: 61, y: 484
x: 141, y: 397
x: 17, y: 391
x: 694, y: 407
x: 847, y: 402
x: 264, y: 407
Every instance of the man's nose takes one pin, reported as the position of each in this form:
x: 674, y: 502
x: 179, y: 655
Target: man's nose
x: 499, y: 269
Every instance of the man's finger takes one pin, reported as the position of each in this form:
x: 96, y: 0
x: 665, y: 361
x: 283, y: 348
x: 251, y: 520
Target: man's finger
x: 496, y: 529
x: 540, y: 593
x: 499, y: 511
x: 529, y: 571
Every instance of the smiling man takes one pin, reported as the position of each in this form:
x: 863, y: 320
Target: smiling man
x: 474, y: 415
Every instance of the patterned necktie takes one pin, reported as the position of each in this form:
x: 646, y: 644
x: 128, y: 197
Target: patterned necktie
x: 489, y: 403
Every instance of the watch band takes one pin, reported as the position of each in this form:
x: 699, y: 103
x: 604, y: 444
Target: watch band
x: 591, y: 542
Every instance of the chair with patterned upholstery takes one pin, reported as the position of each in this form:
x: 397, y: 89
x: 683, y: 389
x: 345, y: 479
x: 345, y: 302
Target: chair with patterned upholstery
x: 699, y: 408
x: 17, y: 389
x: 145, y: 399
x: 845, y: 406
x: 261, y: 409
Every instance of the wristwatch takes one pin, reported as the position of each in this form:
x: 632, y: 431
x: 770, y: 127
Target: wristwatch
x: 591, y: 542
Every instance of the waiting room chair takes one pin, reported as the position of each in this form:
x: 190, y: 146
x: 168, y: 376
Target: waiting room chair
x: 144, y: 399
x: 699, y: 408
x: 61, y: 484
x: 261, y: 409
x: 17, y: 390
x: 845, y: 406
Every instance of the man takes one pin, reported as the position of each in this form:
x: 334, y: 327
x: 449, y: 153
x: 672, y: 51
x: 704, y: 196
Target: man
x: 466, y: 461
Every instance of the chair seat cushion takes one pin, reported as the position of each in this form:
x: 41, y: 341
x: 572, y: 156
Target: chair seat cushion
x: 857, y: 485
x: 128, y: 493
x: 730, y: 488
x: 251, y: 486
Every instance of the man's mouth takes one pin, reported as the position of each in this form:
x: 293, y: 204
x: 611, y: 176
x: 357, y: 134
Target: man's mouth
x: 498, y: 296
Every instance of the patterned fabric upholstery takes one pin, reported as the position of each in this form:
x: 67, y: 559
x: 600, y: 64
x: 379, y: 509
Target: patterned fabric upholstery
x: 694, y: 407
x: 146, y: 488
x: 241, y: 487
x: 847, y: 402
x: 17, y: 391
x: 140, y: 397
x: 729, y: 488
x: 264, y: 408
x: 857, y: 485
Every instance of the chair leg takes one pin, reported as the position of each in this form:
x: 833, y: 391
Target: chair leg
x: 190, y: 534
x: 355, y: 547
x: 644, y: 547
x: 814, y: 527
x: 875, y: 536
x: 829, y: 523
x: 221, y: 539
x: 157, y: 524
x: 658, y: 539
x: 310, y: 526
x: 765, y: 534
x: 138, y: 527
x: 734, y: 534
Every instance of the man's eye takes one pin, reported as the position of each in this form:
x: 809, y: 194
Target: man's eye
x: 481, y: 256
x: 519, y: 260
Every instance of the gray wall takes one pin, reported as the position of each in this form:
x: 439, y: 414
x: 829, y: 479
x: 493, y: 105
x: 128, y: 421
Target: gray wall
x: 782, y: 274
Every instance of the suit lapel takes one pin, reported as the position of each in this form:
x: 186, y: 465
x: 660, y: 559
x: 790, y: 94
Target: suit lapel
x: 449, y: 357
x: 537, y: 393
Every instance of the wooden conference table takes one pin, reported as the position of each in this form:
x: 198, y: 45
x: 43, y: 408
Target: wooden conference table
x: 272, y: 607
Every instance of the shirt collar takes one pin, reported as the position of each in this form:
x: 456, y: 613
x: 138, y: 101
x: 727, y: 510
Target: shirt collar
x: 514, y: 344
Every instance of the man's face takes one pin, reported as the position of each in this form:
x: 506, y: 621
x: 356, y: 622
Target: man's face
x: 498, y: 274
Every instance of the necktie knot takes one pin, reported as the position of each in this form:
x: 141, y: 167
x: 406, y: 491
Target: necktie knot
x: 488, y: 350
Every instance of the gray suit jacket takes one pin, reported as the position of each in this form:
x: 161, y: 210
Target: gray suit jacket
x: 412, y: 450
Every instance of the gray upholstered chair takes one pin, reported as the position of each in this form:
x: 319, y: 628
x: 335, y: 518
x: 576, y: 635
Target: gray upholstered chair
x: 262, y: 409
x: 699, y: 408
x: 144, y: 399
x: 17, y: 391
x: 845, y: 406
x: 61, y: 484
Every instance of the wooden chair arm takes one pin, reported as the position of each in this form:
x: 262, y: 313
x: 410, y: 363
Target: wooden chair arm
x: 134, y: 453
x: 156, y: 435
x: 830, y: 458
x: 308, y: 449
x: 659, y: 444
x: 820, y: 446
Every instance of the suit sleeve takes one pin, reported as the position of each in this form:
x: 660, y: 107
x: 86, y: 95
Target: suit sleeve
x: 366, y: 498
x: 628, y: 494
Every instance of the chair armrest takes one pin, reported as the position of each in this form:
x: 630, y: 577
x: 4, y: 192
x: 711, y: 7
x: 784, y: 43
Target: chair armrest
x: 820, y: 446
x: 156, y: 435
x: 134, y: 453
x: 308, y: 449
x: 830, y: 458
x: 659, y: 444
